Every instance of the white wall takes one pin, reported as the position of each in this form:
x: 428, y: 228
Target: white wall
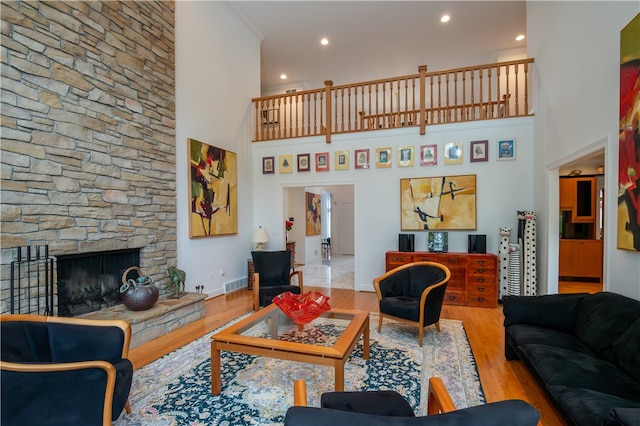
x: 576, y: 46
x: 215, y: 80
x: 503, y: 186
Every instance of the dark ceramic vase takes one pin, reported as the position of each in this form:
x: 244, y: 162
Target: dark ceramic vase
x: 140, y: 297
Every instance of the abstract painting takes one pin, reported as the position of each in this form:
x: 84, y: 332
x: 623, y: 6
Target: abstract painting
x: 438, y: 203
x: 628, y: 223
x: 214, y: 192
x: 314, y: 210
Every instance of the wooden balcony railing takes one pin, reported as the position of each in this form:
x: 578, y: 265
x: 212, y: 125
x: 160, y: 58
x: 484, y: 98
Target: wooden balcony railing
x: 464, y: 94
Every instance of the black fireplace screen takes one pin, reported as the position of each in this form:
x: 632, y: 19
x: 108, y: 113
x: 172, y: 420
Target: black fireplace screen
x: 91, y: 282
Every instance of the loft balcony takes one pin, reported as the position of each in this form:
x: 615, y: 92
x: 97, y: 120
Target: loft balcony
x: 481, y: 92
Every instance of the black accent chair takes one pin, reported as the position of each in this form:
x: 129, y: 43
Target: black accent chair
x: 413, y: 293
x: 378, y: 408
x: 273, y: 276
x: 63, y: 371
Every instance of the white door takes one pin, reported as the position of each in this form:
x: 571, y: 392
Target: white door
x: 346, y: 228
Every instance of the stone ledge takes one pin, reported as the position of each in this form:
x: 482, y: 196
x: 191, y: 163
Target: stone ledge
x: 165, y: 316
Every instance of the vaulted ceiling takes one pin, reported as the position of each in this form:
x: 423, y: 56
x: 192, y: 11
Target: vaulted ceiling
x: 370, y: 40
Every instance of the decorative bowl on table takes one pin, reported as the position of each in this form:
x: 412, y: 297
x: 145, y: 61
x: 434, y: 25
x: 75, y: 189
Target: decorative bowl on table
x: 302, y: 308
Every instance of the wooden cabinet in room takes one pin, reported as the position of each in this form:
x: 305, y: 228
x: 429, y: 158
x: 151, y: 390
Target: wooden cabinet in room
x: 474, y: 277
x: 291, y: 248
x: 578, y: 195
x: 581, y: 259
x: 567, y: 192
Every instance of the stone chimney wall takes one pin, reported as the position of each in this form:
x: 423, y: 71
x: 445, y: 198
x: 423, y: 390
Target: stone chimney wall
x: 88, y: 130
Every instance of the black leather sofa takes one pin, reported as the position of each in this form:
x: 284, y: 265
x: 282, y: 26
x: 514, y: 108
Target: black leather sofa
x: 585, y: 350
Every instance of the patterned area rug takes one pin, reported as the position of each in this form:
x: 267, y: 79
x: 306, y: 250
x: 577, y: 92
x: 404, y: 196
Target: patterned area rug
x: 176, y: 389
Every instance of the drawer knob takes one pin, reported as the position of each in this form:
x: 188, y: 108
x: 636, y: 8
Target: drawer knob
x: 481, y: 262
x: 480, y: 288
x: 482, y: 271
x: 480, y: 280
x: 480, y: 299
x: 452, y: 298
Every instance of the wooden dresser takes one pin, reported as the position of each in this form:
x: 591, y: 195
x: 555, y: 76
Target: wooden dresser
x: 474, y: 277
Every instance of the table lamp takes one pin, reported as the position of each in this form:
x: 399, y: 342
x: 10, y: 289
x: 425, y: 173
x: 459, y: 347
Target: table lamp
x: 260, y: 237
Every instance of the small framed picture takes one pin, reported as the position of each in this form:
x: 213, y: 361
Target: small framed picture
x: 506, y: 149
x: 479, y: 151
x: 383, y: 157
x: 405, y: 156
x: 453, y: 153
x: 303, y: 162
x: 362, y: 158
x: 285, y: 163
x: 342, y: 160
x: 322, y: 162
x: 428, y: 155
x: 267, y: 165
x: 438, y: 241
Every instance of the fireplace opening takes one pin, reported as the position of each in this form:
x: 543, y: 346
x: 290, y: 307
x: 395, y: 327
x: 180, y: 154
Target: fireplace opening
x: 91, y: 282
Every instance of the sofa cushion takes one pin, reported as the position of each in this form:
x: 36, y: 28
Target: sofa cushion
x: 523, y: 334
x: 626, y: 416
x: 626, y: 351
x: 556, y: 312
x: 587, y: 407
x: 558, y: 366
x: 603, y: 318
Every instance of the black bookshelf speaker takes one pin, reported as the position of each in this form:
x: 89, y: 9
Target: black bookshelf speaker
x: 406, y: 242
x: 477, y: 243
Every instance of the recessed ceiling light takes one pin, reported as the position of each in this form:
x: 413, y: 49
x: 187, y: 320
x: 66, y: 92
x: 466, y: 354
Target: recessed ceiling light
x: 324, y: 41
x: 445, y: 18
x: 520, y: 37
x: 283, y: 76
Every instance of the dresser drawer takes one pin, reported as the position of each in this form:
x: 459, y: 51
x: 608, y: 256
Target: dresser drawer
x: 482, y: 261
x: 481, y: 288
x: 488, y: 300
x: 455, y: 298
x: 482, y: 280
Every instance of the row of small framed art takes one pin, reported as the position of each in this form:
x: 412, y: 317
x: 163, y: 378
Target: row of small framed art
x: 428, y: 156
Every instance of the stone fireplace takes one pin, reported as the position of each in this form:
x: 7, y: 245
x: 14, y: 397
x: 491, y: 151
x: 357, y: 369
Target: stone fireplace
x: 88, y: 143
x: 91, y: 282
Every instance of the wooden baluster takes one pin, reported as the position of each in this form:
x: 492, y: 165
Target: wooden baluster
x: 493, y: 113
x: 526, y: 88
x: 516, y: 66
x: 506, y: 107
x: 327, y: 132
x: 498, y: 88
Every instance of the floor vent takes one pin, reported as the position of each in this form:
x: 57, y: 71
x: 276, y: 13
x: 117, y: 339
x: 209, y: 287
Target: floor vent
x: 231, y: 286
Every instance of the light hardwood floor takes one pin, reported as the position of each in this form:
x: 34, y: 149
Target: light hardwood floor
x: 500, y: 379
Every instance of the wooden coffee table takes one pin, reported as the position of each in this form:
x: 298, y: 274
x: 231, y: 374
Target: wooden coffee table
x: 263, y: 332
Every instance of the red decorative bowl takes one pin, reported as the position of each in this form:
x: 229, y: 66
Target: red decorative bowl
x: 302, y: 308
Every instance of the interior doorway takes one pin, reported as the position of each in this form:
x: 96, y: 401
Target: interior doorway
x: 337, y: 270
x: 581, y: 224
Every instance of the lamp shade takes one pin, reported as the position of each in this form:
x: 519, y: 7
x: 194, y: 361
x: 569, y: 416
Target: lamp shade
x: 260, y: 237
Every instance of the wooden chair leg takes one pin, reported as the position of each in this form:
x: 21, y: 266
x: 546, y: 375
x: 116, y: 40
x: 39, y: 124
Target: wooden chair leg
x: 127, y: 407
x: 379, y: 322
x: 300, y: 393
x: 438, y: 326
x: 420, y: 334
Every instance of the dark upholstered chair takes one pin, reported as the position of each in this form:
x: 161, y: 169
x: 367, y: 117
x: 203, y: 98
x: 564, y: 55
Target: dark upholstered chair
x: 63, y: 371
x: 413, y: 293
x: 273, y: 276
x: 377, y: 408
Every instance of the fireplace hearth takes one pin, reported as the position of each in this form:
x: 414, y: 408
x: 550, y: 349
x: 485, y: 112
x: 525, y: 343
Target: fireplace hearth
x: 91, y: 282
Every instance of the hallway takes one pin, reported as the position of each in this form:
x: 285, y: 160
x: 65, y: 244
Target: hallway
x: 336, y: 272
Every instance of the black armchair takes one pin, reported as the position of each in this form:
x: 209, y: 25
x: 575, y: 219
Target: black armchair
x: 413, y: 293
x: 383, y: 408
x: 63, y: 371
x: 273, y: 276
